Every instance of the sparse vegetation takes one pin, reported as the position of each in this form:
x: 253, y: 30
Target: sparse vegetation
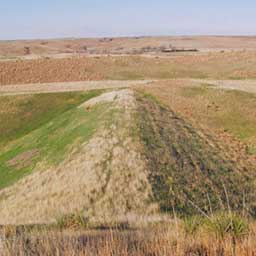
x: 230, y: 111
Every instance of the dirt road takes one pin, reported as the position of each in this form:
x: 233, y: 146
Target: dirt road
x: 242, y: 85
x: 67, y: 87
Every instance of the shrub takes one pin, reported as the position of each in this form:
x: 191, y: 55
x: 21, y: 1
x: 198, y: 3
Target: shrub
x: 231, y: 224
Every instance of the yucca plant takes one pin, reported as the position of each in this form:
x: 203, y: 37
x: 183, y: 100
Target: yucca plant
x: 228, y: 225
x: 223, y: 224
x: 192, y: 224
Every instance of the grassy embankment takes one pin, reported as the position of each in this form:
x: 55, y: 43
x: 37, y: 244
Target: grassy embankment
x: 189, y: 175
x: 41, y: 128
x: 189, y: 171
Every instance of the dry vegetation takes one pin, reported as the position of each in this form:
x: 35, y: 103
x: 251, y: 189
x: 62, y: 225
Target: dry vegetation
x: 167, y: 169
x: 179, y: 153
x: 226, y: 115
x: 223, y: 234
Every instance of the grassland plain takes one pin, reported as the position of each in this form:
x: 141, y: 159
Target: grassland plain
x: 229, y: 110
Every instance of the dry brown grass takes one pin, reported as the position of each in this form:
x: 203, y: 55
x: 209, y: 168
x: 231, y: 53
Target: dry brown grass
x: 167, y: 240
x: 230, y: 65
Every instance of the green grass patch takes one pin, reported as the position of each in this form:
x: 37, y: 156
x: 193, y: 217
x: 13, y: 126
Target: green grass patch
x: 20, y: 115
x: 53, y: 139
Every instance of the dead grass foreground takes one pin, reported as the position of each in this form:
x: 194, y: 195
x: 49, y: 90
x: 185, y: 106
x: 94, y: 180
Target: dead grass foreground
x: 176, y: 238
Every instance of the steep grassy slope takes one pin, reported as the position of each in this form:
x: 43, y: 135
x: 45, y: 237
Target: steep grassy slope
x: 22, y: 114
x: 41, y: 127
x: 87, y: 161
x: 189, y: 171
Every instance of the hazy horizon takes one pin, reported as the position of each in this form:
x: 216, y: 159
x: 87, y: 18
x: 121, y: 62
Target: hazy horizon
x: 86, y: 19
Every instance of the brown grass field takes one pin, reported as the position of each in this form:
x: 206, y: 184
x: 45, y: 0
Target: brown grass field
x: 231, y: 65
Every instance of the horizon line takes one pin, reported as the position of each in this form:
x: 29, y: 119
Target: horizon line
x: 125, y: 36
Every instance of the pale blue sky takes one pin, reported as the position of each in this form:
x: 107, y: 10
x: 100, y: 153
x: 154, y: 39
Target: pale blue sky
x: 84, y: 18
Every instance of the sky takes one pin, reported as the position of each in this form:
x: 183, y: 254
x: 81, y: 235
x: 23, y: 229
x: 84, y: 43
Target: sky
x: 31, y: 19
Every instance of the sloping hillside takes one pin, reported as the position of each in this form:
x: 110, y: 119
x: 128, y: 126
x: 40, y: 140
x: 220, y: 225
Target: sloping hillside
x: 88, y: 160
x: 190, y: 171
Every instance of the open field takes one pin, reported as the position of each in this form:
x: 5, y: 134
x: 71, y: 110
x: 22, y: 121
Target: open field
x: 129, y: 154
x: 230, y: 65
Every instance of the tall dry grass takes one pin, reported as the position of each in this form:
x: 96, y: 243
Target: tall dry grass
x: 162, y: 240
